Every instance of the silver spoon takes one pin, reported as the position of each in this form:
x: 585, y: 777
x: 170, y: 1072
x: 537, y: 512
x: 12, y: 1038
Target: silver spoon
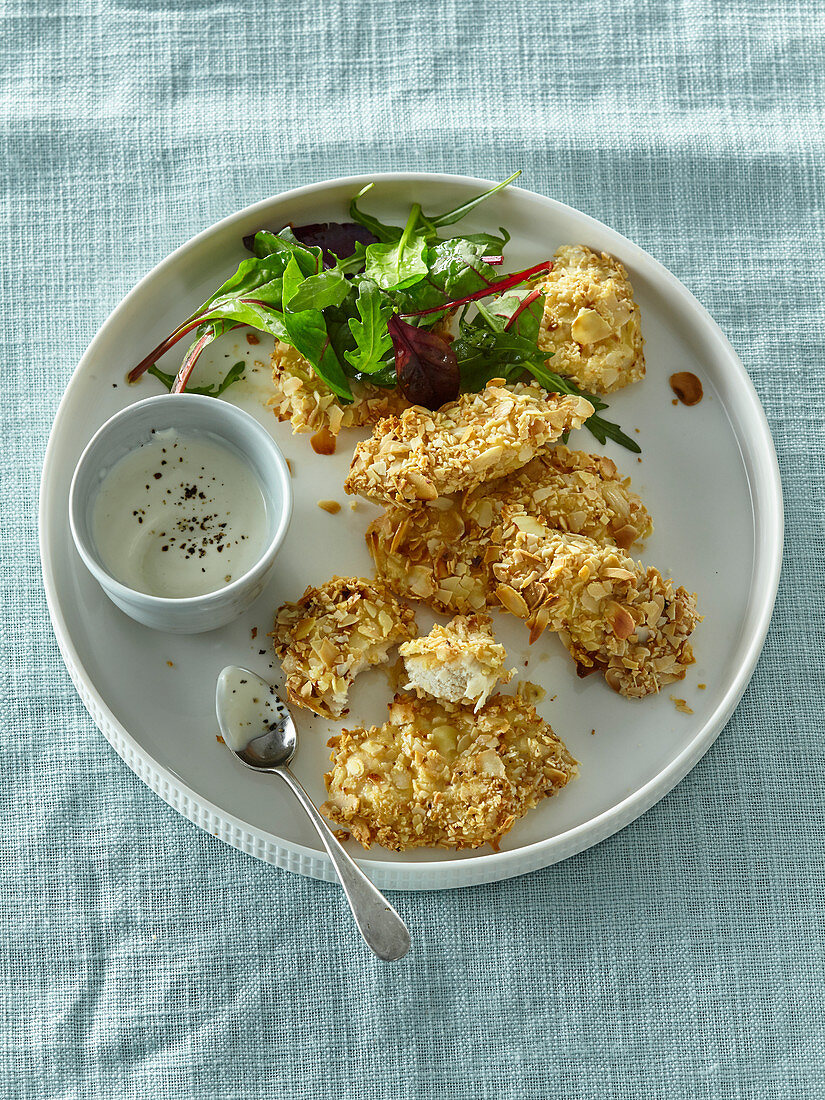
x: 259, y: 730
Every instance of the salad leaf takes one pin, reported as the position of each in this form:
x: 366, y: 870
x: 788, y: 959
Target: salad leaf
x: 394, y: 266
x: 456, y: 269
x: 450, y: 217
x: 337, y: 240
x: 497, y: 285
x: 258, y: 277
x: 265, y: 244
x: 306, y: 330
x: 256, y: 312
x: 392, y: 269
x: 519, y: 312
x: 492, y: 245
x: 327, y: 288
x: 385, y: 233
x: 428, y: 223
x: 426, y: 365
x: 234, y: 373
x: 370, y: 332
x: 207, y: 335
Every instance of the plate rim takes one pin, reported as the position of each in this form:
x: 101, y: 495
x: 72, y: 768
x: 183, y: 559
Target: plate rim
x: 490, y: 867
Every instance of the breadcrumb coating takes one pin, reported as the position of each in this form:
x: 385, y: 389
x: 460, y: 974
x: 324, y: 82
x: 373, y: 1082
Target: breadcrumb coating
x: 438, y: 775
x: 423, y: 455
x: 305, y: 400
x: 591, y: 324
x: 334, y: 632
x: 443, y: 552
x: 612, y: 613
x: 457, y: 663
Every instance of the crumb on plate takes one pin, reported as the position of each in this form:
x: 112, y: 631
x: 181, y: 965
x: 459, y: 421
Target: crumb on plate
x: 530, y: 693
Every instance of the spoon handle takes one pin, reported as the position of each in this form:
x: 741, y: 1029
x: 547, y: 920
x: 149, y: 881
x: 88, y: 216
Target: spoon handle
x: 383, y: 930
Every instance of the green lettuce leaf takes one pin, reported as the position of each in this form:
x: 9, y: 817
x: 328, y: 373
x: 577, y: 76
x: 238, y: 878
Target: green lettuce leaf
x: 307, y: 331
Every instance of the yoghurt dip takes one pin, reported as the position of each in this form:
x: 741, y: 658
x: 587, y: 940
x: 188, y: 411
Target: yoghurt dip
x: 181, y: 515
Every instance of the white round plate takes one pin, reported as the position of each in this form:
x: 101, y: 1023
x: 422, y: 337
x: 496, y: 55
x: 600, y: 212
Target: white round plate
x: 709, y: 478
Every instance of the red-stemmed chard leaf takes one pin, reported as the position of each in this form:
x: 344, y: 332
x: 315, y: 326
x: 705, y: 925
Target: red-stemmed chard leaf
x: 499, y: 287
x: 187, y: 326
x: 493, y: 261
x: 162, y: 348
x: 190, y: 359
x: 525, y: 304
x: 425, y: 364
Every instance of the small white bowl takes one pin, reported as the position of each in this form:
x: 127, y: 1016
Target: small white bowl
x: 196, y: 415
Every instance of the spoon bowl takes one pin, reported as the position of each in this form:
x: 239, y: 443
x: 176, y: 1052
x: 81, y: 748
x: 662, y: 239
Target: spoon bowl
x: 258, y: 729
x: 253, y: 721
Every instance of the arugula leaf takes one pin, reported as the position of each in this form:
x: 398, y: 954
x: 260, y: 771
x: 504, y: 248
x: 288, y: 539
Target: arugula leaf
x: 605, y: 429
x: 371, y: 335
x: 307, y: 331
x: 232, y: 375
x: 385, y: 233
x: 397, y: 266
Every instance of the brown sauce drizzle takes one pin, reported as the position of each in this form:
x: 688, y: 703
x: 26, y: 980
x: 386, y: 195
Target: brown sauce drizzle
x: 323, y: 442
x: 687, y: 387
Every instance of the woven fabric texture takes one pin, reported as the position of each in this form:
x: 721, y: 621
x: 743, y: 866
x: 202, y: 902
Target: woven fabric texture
x: 681, y: 958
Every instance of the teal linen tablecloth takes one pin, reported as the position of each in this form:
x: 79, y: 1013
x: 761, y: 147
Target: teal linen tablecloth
x: 681, y: 958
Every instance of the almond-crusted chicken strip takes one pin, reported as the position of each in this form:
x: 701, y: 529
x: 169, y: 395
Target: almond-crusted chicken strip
x: 612, y: 613
x: 439, y: 775
x: 305, y: 400
x: 435, y: 553
x: 334, y: 632
x: 591, y: 324
x: 422, y: 455
x: 443, y: 552
x: 457, y: 663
